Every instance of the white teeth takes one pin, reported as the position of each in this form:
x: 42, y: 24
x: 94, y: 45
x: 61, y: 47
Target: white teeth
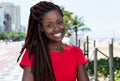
x: 57, y: 35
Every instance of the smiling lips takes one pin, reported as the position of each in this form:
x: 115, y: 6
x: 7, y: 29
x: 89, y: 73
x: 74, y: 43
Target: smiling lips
x: 58, y: 35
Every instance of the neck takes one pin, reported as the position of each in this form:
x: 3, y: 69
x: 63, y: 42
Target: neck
x: 57, y: 46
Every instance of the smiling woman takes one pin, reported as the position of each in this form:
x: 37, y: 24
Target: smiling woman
x: 45, y: 56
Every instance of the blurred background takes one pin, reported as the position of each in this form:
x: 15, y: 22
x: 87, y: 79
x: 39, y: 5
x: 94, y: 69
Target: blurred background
x: 89, y: 24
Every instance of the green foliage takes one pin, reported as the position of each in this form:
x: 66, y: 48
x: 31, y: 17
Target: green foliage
x: 117, y: 68
x: 14, y: 36
x: 117, y: 75
x: 103, y: 67
x: 116, y: 63
x: 91, y: 67
x: 72, y: 23
x: 67, y: 20
x: 4, y: 35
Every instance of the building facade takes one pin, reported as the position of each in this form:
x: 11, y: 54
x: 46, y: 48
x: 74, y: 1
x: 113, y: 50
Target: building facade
x: 12, y: 16
x: 2, y: 19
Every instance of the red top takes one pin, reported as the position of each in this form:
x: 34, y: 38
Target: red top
x: 64, y: 63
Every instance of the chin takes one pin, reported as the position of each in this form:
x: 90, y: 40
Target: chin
x: 57, y: 40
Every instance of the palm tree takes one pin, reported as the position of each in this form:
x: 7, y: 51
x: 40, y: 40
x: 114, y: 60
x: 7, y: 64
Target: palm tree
x: 85, y: 29
x: 67, y: 20
x: 76, y: 24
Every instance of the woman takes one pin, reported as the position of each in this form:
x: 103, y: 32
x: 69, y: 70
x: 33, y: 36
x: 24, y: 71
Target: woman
x: 45, y: 56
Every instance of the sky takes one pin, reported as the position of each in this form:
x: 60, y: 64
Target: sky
x: 101, y: 16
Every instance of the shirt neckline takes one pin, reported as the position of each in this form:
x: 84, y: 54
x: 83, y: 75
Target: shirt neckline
x: 66, y: 46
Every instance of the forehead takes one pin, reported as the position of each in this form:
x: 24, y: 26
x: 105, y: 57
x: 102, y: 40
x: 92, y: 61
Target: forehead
x: 51, y: 16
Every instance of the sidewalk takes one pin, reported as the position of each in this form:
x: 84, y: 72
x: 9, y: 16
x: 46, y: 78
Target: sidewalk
x: 12, y: 72
x: 9, y: 68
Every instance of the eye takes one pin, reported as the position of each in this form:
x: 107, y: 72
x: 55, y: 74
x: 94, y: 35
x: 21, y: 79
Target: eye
x: 60, y: 22
x: 49, y: 25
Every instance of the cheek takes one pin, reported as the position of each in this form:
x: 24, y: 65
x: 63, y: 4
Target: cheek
x: 63, y: 28
x: 48, y: 32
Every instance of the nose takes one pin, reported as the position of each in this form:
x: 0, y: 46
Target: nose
x: 56, y: 27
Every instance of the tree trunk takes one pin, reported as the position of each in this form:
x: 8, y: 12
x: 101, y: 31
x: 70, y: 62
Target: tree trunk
x: 76, y: 34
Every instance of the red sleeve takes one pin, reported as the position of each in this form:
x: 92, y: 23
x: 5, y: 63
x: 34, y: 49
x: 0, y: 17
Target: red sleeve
x: 81, y: 59
x: 25, y: 61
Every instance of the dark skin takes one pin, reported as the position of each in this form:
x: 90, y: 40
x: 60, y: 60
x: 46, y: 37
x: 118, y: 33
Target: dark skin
x: 53, y: 26
x: 27, y: 75
x: 82, y: 74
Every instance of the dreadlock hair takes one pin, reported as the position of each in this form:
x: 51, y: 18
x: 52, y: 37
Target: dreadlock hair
x: 36, y: 42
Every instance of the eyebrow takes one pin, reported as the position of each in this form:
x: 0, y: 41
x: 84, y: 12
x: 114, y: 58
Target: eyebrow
x: 56, y: 20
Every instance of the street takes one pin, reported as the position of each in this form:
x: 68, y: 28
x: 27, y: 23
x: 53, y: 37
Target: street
x: 9, y: 67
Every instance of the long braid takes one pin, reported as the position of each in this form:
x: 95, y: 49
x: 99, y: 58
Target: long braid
x: 36, y: 42
x: 46, y: 57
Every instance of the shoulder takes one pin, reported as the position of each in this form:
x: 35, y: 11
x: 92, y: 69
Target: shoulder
x: 77, y: 51
x: 26, y: 60
x: 74, y: 48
